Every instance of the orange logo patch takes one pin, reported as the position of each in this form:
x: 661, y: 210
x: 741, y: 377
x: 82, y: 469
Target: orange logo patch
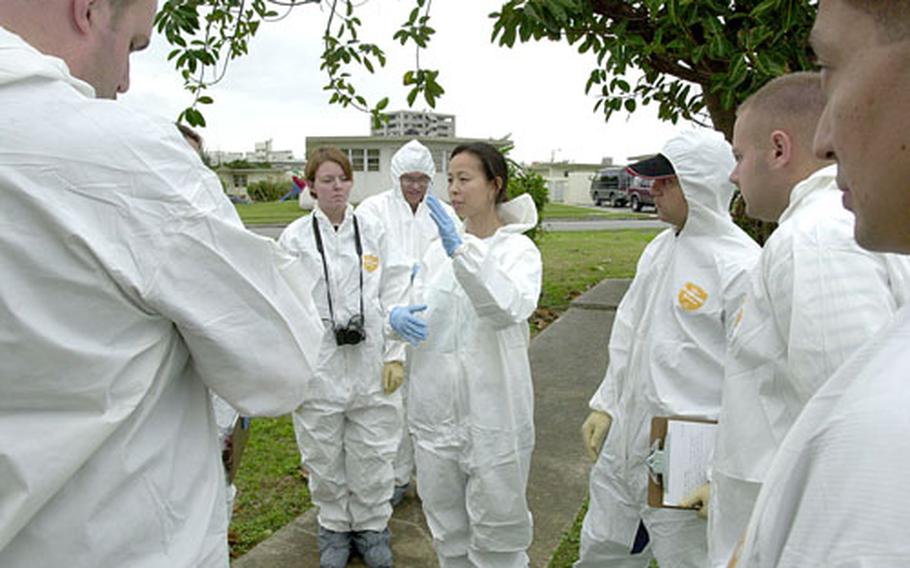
x: 370, y: 262
x: 692, y: 297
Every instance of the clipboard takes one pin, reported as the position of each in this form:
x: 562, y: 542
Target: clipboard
x: 658, y: 462
x: 238, y: 438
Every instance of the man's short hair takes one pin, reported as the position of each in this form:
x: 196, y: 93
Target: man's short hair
x: 794, y: 101
x: 891, y: 16
x: 794, y: 94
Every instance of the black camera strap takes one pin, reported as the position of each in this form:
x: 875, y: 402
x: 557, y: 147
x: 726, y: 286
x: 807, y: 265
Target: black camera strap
x: 325, y: 266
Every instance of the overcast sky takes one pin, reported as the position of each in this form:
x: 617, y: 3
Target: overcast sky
x: 533, y: 92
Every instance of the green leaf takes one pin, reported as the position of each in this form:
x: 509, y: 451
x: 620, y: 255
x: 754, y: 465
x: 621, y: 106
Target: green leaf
x: 194, y: 117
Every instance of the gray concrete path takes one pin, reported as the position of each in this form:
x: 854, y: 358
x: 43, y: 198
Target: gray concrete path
x: 568, y: 360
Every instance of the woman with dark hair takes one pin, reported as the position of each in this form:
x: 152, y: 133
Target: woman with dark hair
x: 349, y: 427
x: 471, y: 398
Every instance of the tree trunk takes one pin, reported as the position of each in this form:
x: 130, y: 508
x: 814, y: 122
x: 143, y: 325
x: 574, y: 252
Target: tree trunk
x: 722, y: 118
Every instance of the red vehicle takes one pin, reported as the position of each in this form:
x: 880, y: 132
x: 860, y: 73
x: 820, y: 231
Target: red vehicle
x: 640, y: 193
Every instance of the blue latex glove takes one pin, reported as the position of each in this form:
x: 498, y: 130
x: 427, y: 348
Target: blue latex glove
x: 410, y: 327
x: 447, y: 229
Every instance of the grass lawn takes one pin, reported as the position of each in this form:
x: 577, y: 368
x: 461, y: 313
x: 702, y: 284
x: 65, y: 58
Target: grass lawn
x: 567, y: 552
x: 282, y: 212
x: 554, y: 211
x: 270, y: 212
x: 271, y: 491
x: 575, y: 261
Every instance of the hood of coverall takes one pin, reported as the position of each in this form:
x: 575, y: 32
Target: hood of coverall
x: 412, y: 157
x: 19, y: 61
x: 703, y: 161
x: 518, y: 214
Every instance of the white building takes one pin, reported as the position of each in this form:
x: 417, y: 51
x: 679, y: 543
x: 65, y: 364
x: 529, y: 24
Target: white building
x: 262, y: 153
x: 371, y: 157
x: 568, y: 182
x: 218, y: 157
x: 416, y: 124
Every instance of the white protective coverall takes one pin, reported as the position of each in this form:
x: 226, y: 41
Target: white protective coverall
x: 666, y: 357
x: 130, y: 288
x: 347, y: 428
x: 408, y: 234
x: 471, y: 398
x: 836, y: 492
x: 814, y: 298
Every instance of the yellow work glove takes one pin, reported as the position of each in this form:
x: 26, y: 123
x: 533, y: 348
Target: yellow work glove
x: 698, y: 499
x: 734, y: 560
x: 392, y: 376
x: 594, y: 431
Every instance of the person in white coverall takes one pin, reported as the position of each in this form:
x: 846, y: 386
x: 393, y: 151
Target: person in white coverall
x: 130, y: 289
x: 666, y: 354
x: 349, y: 426
x: 409, y: 230
x: 836, y: 492
x: 814, y: 297
x: 471, y: 397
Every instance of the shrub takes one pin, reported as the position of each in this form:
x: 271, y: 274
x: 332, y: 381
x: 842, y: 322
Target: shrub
x: 271, y: 189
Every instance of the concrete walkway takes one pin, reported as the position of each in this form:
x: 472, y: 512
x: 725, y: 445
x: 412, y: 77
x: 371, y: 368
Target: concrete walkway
x: 568, y: 360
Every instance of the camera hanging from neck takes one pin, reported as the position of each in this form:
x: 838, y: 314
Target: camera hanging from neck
x: 325, y: 267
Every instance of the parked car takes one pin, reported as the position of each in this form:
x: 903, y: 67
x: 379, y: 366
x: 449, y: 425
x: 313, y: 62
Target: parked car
x: 609, y: 186
x: 640, y: 193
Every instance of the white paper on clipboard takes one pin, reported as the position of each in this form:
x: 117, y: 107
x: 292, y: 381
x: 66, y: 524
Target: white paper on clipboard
x: 689, y: 447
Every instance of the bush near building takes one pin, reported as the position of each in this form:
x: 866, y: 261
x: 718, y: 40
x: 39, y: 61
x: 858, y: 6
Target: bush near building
x: 267, y: 190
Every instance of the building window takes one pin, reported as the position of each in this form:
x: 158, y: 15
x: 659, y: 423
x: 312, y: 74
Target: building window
x: 357, y: 159
x: 355, y: 155
x: 373, y: 160
x: 239, y: 181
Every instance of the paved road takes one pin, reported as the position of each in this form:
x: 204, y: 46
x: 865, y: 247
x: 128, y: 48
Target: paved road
x: 603, y: 225
x: 556, y: 226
